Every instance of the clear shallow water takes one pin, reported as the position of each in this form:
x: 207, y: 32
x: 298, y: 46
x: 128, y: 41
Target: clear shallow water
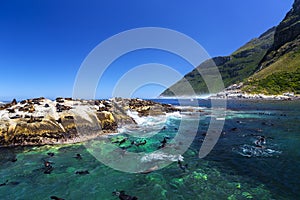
x: 235, y: 169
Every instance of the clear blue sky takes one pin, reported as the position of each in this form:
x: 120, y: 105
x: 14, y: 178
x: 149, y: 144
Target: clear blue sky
x: 43, y: 43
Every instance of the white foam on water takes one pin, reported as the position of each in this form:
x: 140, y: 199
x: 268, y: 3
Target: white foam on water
x: 149, y: 121
x: 253, y: 151
x: 148, y: 126
x: 122, y: 130
x: 158, y: 156
x: 220, y: 118
x: 174, y: 115
x: 196, y: 108
x: 135, y: 116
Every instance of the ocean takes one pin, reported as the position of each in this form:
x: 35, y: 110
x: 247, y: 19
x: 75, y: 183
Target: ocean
x: 238, y: 167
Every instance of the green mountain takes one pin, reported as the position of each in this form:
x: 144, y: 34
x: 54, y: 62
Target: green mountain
x: 234, y: 68
x: 268, y: 64
x: 280, y: 68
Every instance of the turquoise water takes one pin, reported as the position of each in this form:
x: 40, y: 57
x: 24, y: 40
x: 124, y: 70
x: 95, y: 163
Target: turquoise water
x: 235, y: 169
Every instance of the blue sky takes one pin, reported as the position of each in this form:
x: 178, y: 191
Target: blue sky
x: 43, y: 43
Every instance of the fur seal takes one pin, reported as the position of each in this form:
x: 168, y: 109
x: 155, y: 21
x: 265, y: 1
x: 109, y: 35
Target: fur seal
x: 124, y: 196
x: 181, y: 166
x: 78, y: 156
x: 84, y: 172
x: 56, y: 198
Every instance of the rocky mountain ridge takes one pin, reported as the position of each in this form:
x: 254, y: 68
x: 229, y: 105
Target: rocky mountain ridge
x: 279, y: 70
x: 233, y: 69
x: 267, y: 65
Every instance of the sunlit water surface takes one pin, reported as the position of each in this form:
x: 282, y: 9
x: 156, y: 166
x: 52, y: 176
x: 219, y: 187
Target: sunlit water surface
x: 235, y: 169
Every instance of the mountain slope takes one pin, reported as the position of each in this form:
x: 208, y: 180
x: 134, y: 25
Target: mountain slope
x: 269, y: 64
x: 234, y: 68
x: 280, y: 67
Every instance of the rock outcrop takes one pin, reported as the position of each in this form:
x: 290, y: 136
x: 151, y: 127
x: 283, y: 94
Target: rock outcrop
x: 286, y: 37
x: 146, y: 108
x: 289, y: 29
x: 42, y: 121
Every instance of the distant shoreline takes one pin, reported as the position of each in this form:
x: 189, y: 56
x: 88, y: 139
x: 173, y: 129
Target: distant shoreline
x: 242, y: 97
x: 236, y: 96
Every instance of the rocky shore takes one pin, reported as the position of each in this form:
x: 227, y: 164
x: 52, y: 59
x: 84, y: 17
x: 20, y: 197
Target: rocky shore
x: 235, y: 92
x: 42, y: 121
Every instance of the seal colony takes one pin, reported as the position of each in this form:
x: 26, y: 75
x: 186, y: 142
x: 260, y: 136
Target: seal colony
x: 41, y: 121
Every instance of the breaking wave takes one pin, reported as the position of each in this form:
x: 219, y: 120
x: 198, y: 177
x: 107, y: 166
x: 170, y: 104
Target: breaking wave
x: 158, y: 156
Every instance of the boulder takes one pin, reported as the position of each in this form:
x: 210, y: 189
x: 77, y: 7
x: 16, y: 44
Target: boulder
x: 107, y: 121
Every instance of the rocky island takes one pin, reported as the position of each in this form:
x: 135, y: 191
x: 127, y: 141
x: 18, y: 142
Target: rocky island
x: 42, y: 121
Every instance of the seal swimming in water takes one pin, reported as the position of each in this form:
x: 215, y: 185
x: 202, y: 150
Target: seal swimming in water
x: 123, y: 141
x: 51, y: 154
x: 14, y: 183
x: 139, y: 143
x: 48, y: 170
x: 78, y: 156
x: 120, y: 141
x: 56, y: 198
x: 9, y: 183
x: 3, y: 184
x: 124, y: 196
x: 163, y: 143
x: 181, y: 166
x: 82, y: 172
x: 260, y: 141
x: 14, y: 159
x: 48, y: 167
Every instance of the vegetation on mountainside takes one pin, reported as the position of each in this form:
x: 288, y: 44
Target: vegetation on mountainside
x: 233, y: 69
x: 269, y: 64
x: 282, y: 76
x: 281, y: 65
